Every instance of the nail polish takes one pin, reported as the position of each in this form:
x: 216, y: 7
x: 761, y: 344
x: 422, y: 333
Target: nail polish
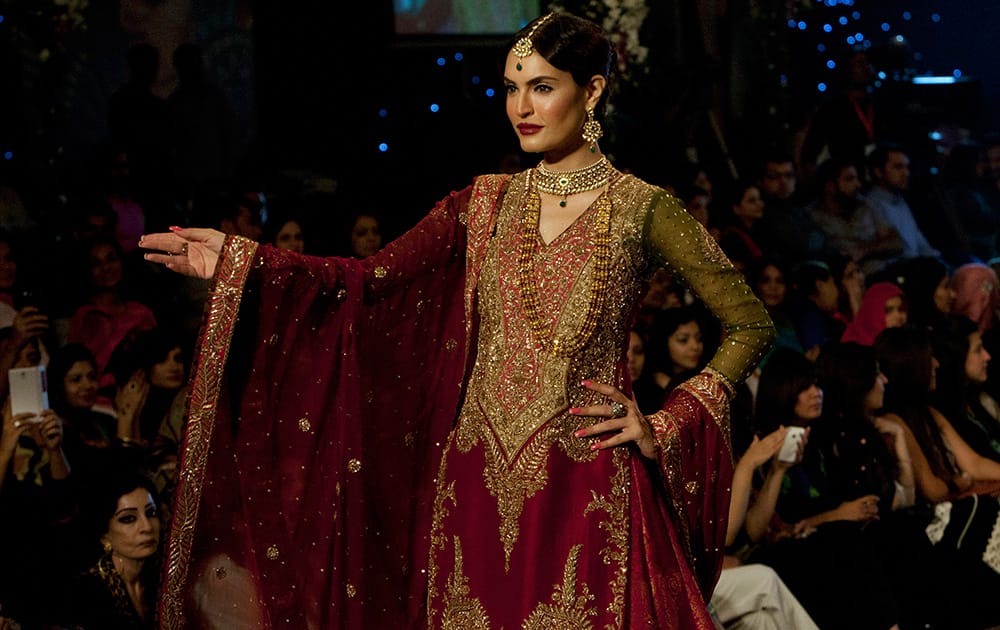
x: 585, y: 383
x: 574, y: 410
x: 175, y: 228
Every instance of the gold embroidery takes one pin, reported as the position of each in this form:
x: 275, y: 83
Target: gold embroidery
x: 617, y: 529
x: 380, y: 272
x: 709, y: 389
x: 223, y: 305
x: 273, y: 553
x: 304, y: 425
x: 351, y: 590
x: 354, y: 465
x: 442, y: 493
x: 569, y: 610
x: 462, y: 612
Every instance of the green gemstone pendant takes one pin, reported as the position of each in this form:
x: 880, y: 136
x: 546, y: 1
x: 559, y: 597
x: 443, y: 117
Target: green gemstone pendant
x: 562, y: 204
x: 518, y: 65
x: 593, y: 149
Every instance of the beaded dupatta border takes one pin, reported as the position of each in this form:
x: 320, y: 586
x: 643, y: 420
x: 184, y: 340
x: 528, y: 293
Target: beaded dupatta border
x: 218, y: 325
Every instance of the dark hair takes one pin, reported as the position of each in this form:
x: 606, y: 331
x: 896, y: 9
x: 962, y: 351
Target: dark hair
x: 665, y: 324
x: 847, y: 372
x: 830, y: 170
x: 880, y: 155
x: 755, y: 272
x: 100, y: 500
x: 950, y: 340
x: 573, y: 45
x: 61, y: 362
x: 144, y: 350
x: 805, y: 275
x: 788, y: 374
x: 919, y: 278
x: 143, y: 63
x: 904, y: 355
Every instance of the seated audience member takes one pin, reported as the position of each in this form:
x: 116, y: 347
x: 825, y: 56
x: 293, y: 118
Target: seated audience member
x: 883, y: 305
x: 743, y: 209
x: 365, y: 236
x: 850, y: 285
x: 698, y: 203
x: 241, y: 215
x: 108, y: 317
x: 812, y: 306
x: 286, y: 233
x: 975, y: 415
x: 927, y: 286
x: 786, y: 229
x: 972, y: 202
x: 824, y: 566
x: 890, y: 167
x: 676, y: 347
x: 977, y: 295
x: 119, y: 590
x: 850, y: 225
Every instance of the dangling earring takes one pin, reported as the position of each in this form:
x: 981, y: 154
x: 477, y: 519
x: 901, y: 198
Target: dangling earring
x: 107, y: 545
x: 592, y: 131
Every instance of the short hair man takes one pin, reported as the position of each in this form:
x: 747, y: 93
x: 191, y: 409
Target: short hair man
x: 890, y: 168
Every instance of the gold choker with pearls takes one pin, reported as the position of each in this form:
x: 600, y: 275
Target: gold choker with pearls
x: 567, y: 183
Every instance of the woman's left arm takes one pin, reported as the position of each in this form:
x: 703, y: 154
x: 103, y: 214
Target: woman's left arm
x: 981, y: 468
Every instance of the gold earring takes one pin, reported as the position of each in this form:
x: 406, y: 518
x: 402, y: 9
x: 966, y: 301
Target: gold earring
x: 592, y: 131
x: 107, y: 546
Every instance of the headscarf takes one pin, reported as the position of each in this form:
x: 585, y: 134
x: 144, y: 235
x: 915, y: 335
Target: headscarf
x: 870, y: 320
x: 976, y: 294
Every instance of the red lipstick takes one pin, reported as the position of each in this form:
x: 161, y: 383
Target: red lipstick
x: 527, y: 130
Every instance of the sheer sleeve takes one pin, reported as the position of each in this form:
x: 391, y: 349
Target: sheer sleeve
x: 676, y: 241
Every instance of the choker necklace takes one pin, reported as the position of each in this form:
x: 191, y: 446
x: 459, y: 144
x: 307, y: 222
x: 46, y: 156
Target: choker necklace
x: 566, y: 183
x: 531, y: 303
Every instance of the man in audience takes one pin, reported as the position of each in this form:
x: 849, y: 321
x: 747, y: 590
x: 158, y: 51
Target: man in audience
x: 849, y: 223
x: 785, y: 228
x: 890, y: 168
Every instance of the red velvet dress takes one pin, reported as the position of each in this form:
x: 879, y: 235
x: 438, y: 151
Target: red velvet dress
x: 326, y: 482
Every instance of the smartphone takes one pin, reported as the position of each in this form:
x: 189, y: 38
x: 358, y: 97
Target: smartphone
x: 29, y: 391
x: 790, y: 449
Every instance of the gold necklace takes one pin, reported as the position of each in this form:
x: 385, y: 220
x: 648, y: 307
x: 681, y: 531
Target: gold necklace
x: 526, y: 275
x: 566, y: 183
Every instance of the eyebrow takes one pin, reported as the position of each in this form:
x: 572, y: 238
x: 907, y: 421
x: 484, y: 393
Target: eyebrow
x: 534, y: 81
x: 133, y: 509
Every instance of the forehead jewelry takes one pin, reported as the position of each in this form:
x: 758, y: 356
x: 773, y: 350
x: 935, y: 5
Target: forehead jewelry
x: 524, y: 46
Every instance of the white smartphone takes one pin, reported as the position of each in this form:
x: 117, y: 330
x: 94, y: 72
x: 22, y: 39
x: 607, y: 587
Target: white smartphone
x: 29, y: 391
x: 790, y: 449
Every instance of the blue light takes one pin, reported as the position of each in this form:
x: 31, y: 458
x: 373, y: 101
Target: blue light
x: 821, y: 47
x: 831, y: 64
x: 434, y: 107
x: 859, y: 37
x: 907, y: 16
x: 931, y: 80
x: 827, y: 28
x: 821, y: 87
x: 956, y: 73
x: 842, y: 20
x: 9, y: 155
x: 933, y: 170
x: 784, y: 80
x: 383, y: 113
x: 899, y: 38
x: 802, y: 26
x: 476, y: 80
x: 881, y: 74
x: 441, y: 61
x: 792, y: 23
x: 383, y: 147
x: 935, y: 17
x: 1, y: 19
x: 850, y: 39
x: 490, y: 92
x: 856, y: 15
x: 459, y: 56
x: 885, y: 27
x: 935, y: 136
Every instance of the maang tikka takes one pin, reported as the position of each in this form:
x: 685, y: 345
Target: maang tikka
x: 524, y: 46
x: 592, y: 131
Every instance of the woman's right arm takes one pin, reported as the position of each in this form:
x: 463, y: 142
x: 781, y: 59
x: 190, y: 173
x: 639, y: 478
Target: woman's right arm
x: 930, y: 485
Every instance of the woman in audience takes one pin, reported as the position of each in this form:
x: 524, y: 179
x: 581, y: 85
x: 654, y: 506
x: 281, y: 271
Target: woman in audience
x: 365, y: 236
x: 647, y: 392
x: 744, y: 207
x: 286, y: 233
x: 883, y: 305
x: 850, y: 285
x: 109, y: 317
x: 767, y: 278
x: 676, y: 347
x: 813, y: 307
x: 119, y: 591
x: 974, y: 414
x: 927, y: 286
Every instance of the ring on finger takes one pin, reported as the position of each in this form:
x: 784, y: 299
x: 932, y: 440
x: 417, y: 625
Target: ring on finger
x: 618, y: 410
x: 184, y: 250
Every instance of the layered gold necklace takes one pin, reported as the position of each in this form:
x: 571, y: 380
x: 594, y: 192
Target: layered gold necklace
x: 526, y: 276
x: 566, y: 183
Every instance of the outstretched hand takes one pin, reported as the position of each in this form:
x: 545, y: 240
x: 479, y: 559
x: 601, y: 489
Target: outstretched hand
x: 188, y: 251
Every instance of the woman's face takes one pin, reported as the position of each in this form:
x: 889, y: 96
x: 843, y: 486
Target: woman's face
x: 809, y: 404
x: 290, y: 237
x: 977, y: 359
x: 698, y: 208
x: 365, y: 237
x: 751, y: 206
x: 636, y: 356
x: 8, y: 267
x: 944, y: 296
x: 105, y: 266
x: 29, y: 355
x: 771, y: 286
x: 80, y: 385
x: 685, y: 347
x: 875, y: 398
x: 895, y: 312
x: 169, y: 373
x: 853, y: 276
x: 545, y: 105
x: 134, y: 530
